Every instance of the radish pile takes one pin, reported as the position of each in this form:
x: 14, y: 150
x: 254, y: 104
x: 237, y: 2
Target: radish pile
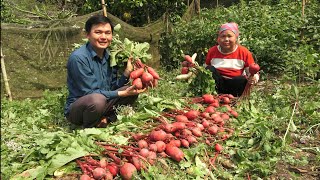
x: 176, y: 130
x: 144, y: 76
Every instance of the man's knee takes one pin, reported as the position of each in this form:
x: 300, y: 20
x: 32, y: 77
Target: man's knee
x: 97, y: 102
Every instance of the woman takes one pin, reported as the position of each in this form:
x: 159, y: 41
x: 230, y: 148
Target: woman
x: 229, y: 62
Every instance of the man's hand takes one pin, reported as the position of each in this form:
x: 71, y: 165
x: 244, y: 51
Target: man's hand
x: 129, y: 67
x: 131, y: 91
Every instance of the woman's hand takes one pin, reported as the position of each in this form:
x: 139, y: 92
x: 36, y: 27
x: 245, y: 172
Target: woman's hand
x: 129, y: 67
x: 131, y: 91
x: 254, y: 79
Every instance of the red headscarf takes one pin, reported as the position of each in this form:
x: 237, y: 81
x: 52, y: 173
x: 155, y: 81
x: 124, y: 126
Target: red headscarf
x: 230, y: 26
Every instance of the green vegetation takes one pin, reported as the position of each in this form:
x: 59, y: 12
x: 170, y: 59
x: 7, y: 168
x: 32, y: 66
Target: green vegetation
x: 34, y: 132
x: 277, y: 128
x: 271, y: 32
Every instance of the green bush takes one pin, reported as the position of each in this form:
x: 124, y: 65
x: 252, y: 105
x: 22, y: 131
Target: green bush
x: 271, y: 32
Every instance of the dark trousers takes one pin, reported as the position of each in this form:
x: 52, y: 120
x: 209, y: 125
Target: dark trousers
x: 88, y: 110
x: 234, y: 86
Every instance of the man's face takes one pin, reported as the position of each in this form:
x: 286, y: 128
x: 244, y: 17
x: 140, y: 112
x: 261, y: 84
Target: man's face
x: 227, y: 40
x: 100, y: 36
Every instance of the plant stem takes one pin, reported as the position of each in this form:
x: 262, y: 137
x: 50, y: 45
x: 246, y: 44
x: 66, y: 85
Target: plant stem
x: 288, y: 127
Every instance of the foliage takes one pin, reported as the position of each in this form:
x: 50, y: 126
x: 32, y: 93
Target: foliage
x: 27, y: 12
x: 274, y: 40
x: 36, y: 137
x: 141, y: 12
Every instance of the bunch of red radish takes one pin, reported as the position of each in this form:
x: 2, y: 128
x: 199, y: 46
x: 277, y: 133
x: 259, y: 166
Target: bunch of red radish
x: 177, y: 129
x: 187, y: 64
x: 253, y: 69
x: 144, y: 76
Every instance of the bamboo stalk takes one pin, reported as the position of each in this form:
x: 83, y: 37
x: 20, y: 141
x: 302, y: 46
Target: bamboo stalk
x: 302, y: 14
x: 104, y: 8
x: 5, y: 78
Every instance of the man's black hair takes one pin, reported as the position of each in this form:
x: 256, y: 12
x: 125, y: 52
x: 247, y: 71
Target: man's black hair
x: 97, y: 19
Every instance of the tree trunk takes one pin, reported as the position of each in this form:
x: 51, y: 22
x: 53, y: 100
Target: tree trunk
x: 5, y: 78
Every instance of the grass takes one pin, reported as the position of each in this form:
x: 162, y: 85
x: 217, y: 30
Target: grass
x: 32, y: 129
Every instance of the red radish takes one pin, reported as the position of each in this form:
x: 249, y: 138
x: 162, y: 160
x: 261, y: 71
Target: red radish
x: 207, y: 142
x: 191, y: 140
x: 113, y: 168
x: 142, y: 144
x: 175, y: 142
x: 85, y: 177
x: 152, y: 157
x: 214, y: 115
x: 103, y: 162
x: 169, y: 136
x: 225, y: 116
x: 163, y: 154
x: 225, y: 100
x: 178, y: 126
x: 234, y: 113
x: 213, y: 130
x: 205, y: 123
x: 153, y: 147
x: 154, y: 82
x: 99, y: 173
x: 208, y: 98
x: 196, y: 132
x: 168, y: 128
x: 215, y: 104
x: 161, y: 146
x: 218, y: 119
x: 210, y: 109
x: 127, y: 170
x: 174, y: 152
x: 146, y: 78
x: 137, y: 163
x: 181, y: 118
x: 185, y: 64
x: 108, y: 176
x: 192, y: 114
x: 205, y: 115
x: 138, y: 136
x: 200, y: 126
x: 153, y: 73
x: 230, y: 96
x: 254, y: 68
x: 186, y: 132
x: 184, y: 143
x: 184, y: 70
x: 144, y: 152
x: 137, y: 83
x: 177, y: 134
x: 227, y: 106
x: 159, y: 135
x: 136, y: 73
x: 188, y: 58
x: 218, y: 147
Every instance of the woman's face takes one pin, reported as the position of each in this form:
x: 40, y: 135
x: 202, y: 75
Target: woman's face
x: 100, y: 36
x: 227, y: 40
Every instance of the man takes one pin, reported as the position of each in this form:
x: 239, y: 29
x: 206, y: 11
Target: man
x: 94, y: 87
